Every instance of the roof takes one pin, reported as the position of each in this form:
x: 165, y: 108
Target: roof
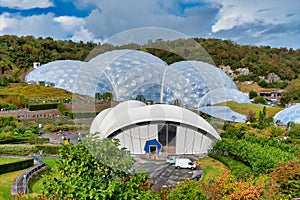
x: 134, y: 112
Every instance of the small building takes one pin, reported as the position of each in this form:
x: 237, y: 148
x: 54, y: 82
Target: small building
x: 271, y: 95
x: 137, y: 125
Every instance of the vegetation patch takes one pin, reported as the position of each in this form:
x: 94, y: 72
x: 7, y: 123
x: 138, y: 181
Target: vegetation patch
x: 238, y: 169
x: 15, y: 166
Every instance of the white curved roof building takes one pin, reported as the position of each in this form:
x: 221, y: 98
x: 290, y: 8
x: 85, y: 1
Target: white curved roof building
x: 178, y: 130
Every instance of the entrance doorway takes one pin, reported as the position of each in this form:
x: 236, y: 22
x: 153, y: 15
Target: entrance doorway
x: 153, y: 149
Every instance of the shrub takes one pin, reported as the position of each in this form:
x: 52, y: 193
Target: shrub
x: 21, y: 150
x: 33, y: 107
x: 260, y: 99
x: 15, y: 166
x: 189, y: 189
x: 47, y: 149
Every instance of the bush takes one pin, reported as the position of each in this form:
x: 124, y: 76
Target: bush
x: 17, y: 150
x: 51, y: 128
x: 45, y: 106
x: 252, y: 94
x: 238, y: 169
x: 260, y: 99
x: 15, y: 166
x: 47, y: 149
x: 189, y: 189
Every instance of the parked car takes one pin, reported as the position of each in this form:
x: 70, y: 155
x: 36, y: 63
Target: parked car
x: 184, y: 163
x: 171, y: 160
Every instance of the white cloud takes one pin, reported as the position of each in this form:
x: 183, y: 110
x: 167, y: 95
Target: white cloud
x: 237, y: 13
x: 45, y: 25
x: 69, y: 23
x: 26, y: 4
x: 83, y: 35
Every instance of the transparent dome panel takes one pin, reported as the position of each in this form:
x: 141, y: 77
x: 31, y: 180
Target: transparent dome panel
x: 224, y: 113
x: 62, y: 73
x: 222, y: 95
x: 127, y: 73
x: 290, y: 114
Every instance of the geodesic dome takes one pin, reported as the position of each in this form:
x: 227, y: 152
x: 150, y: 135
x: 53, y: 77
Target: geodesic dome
x: 129, y: 73
x: 290, y: 114
x: 224, y: 113
x: 61, y: 73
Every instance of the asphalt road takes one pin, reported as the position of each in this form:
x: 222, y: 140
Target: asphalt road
x: 162, y: 174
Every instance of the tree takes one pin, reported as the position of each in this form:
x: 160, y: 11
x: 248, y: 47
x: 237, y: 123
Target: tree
x: 107, y: 96
x: 252, y: 94
x: 141, y: 98
x: 177, y: 102
x: 260, y: 99
x: 82, y: 175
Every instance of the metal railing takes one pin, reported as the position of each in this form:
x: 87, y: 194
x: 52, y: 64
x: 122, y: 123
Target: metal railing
x: 21, y: 183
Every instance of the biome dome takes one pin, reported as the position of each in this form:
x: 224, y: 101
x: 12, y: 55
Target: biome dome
x: 61, y: 74
x: 129, y: 73
x: 290, y: 114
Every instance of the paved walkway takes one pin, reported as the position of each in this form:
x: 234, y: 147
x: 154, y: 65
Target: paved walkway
x: 163, y: 174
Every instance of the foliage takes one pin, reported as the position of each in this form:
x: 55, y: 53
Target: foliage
x: 18, y: 53
x: 260, y: 158
x: 15, y: 166
x: 287, y: 176
x: 292, y: 93
x: 226, y: 187
x: 245, y: 108
x: 236, y: 131
x: 188, y: 189
x: 294, y: 131
x: 238, y: 169
x: 83, y: 176
x: 263, y: 121
x: 33, y: 107
x: 260, y: 100
x: 252, y: 94
x: 21, y: 150
x: 52, y: 128
x: 107, y: 96
x: 141, y: 98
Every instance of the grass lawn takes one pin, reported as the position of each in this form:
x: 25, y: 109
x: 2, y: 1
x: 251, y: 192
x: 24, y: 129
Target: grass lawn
x: 6, y: 180
x: 212, y: 168
x: 9, y: 160
x: 244, y: 108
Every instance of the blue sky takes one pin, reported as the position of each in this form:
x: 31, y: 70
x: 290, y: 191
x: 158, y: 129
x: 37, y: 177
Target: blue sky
x: 257, y: 22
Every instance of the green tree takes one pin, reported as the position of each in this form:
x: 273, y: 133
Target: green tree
x: 252, y: 94
x: 141, y: 98
x: 260, y: 99
x: 107, y: 96
x: 81, y: 175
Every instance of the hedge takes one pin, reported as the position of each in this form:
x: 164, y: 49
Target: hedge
x: 21, y: 150
x: 82, y: 115
x: 15, y: 166
x: 238, y: 169
x: 47, y: 149
x: 44, y: 106
x: 26, y: 150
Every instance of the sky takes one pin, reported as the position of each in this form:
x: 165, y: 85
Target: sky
x: 273, y: 23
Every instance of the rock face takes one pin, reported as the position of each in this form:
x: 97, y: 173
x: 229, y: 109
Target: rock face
x: 243, y: 71
x: 273, y: 78
x: 228, y: 71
